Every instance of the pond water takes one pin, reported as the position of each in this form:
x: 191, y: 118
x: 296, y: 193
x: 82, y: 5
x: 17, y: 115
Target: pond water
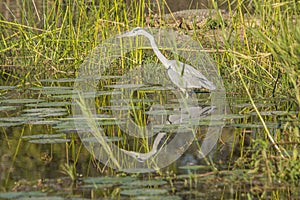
x: 39, y: 146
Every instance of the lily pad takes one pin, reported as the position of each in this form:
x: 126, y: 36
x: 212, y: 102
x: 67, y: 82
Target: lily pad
x: 125, y: 86
x: 57, y: 92
x: 86, y: 94
x: 4, y: 87
x: 121, y: 108
x: 155, y: 88
x: 144, y: 191
x: 43, y: 136
x: 128, y: 101
x: 195, y: 167
x: 52, y: 88
x: 45, y: 122
x: 60, y: 80
x: 97, y: 186
x: 9, y: 124
x: 137, y: 170
x: 50, y: 104
x: 21, y: 101
x: 271, y: 113
x: 15, y: 195
x: 8, y: 108
x: 109, y: 77
x: 107, y: 139
x: 247, y: 125
x: 45, y: 110
x: 140, y: 183
x: 171, y: 197
x: 109, y: 180
x: 49, y: 141
x: 14, y: 119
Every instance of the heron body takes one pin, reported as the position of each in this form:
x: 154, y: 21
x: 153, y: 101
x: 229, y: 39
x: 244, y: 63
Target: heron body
x: 184, y: 76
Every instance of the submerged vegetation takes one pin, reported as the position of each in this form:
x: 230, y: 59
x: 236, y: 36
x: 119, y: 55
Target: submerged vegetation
x: 256, y: 48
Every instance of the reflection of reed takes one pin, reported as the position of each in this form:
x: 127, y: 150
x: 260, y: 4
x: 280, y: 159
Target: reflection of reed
x: 188, y: 114
x: 94, y: 131
x: 5, y: 166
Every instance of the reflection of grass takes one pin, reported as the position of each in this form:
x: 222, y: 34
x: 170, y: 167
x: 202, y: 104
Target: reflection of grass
x: 94, y: 130
x: 257, y: 53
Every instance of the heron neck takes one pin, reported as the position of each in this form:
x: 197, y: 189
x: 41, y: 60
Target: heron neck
x: 159, y: 55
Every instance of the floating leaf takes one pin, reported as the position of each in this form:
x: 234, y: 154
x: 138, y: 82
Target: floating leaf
x: 46, y: 138
x: 15, y: 195
x: 9, y: 124
x: 195, y: 167
x: 52, y: 88
x: 137, y: 170
x: 129, y: 101
x: 144, y: 191
x: 43, y: 136
x: 109, y: 77
x: 8, y: 108
x: 44, y: 110
x: 97, y: 186
x: 3, y: 87
x: 109, y: 180
x: 57, y: 92
x: 121, y: 108
x: 140, y: 183
x: 43, y: 198
x: 49, y: 141
x: 249, y: 105
x: 247, y: 125
x: 110, y: 123
x: 21, y: 101
x: 155, y: 88
x: 107, y: 139
x: 50, y: 104
x: 45, y: 122
x: 14, y: 119
x: 273, y: 113
x: 87, y: 95
x: 125, y: 86
x: 44, y: 115
x: 162, y: 112
x: 60, y: 80
x: 171, y: 197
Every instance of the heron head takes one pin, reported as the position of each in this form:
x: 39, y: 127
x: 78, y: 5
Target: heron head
x: 133, y: 32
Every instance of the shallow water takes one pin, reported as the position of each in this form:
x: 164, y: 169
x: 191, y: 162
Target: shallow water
x: 39, y: 145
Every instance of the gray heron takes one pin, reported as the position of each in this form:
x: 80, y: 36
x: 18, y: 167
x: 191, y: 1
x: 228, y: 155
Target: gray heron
x: 194, y: 113
x: 183, y: 75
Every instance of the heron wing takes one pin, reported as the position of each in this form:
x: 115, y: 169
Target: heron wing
x: 195, y: 79
x: 176, y: 78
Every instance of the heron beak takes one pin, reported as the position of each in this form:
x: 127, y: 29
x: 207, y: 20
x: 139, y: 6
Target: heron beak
x: 127, y: 34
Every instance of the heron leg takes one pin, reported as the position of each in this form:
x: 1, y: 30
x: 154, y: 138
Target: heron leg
x: 189, y: 93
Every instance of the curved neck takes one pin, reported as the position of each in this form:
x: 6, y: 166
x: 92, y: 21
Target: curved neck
x: 159, y: 55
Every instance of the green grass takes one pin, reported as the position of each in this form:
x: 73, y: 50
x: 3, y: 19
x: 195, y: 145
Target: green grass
x: 257, y: 52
